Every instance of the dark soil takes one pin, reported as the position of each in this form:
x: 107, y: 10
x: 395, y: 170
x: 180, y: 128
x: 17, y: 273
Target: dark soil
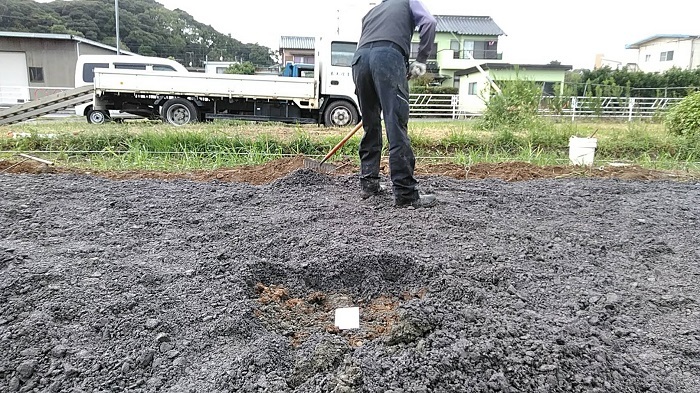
x: 227, y: 281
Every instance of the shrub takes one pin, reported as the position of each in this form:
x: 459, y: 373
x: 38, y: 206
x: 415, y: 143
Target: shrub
x: 515, y: 107
x: 433, y: 90
x: 684, y: 118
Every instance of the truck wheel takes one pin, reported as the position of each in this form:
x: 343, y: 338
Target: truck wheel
x: 340, y: 114
x: 97, y: 117
x: 180, y: 111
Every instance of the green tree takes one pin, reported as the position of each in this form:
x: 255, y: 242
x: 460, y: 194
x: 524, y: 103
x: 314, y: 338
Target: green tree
x: 145, y: 25
x: 246, y: 68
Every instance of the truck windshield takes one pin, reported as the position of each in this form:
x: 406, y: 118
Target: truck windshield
x: 342, y: 53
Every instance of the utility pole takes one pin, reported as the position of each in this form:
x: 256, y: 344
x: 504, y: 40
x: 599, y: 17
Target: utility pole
x: 116, y: 18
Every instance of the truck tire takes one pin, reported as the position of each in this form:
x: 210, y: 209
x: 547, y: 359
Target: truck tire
x: 340, y: 113
x: 179, y: 111
x: 97, y: 117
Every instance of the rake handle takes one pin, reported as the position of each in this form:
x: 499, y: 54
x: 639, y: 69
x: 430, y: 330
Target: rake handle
x: 341, y: 143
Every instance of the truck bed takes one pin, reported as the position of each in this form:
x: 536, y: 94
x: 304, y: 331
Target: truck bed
x: 204, y: 85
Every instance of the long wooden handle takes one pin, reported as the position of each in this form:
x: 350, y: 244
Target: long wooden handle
x: 341, y: 143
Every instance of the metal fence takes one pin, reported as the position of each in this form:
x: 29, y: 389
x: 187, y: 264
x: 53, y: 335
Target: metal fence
x: 629, y: 108
x: 446, y: 106
x: 434, y: 106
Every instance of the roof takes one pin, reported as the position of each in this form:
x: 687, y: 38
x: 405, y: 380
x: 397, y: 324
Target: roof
x: 467, y: 25
x: 68, y: 37
x: 647, y: 40
x: 508, y: 66
x: 293, y: 42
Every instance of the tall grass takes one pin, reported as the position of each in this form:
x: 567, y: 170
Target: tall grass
x: 156, y: 146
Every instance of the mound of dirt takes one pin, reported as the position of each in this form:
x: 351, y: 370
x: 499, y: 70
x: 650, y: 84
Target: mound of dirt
x: 271, y: 171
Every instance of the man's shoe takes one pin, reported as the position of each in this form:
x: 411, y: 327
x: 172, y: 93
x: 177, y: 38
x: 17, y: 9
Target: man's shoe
x: 372, y: 191
x: 427, y: 200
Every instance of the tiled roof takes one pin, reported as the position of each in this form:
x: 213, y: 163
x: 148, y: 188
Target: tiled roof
x: 467, y: 25
x: 293, y: 42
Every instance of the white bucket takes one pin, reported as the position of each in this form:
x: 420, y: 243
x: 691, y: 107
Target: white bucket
x: 582, y: 150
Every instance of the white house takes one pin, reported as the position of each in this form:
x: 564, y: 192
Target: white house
x: 663, y: 51
x: 475, y: 86
x: 217, y: 67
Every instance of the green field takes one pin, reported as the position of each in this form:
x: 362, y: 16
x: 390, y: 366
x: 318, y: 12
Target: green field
x: 154, y: 145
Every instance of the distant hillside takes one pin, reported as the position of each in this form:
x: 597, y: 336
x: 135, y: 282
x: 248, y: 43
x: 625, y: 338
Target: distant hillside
x: 146, y: 27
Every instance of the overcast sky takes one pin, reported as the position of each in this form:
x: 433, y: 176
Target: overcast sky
x: 537, y: 31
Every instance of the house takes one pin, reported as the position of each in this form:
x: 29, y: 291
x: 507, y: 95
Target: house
x: 297, y: 49
x: 35, y: 65
x: 217, y: 67
x: 460, y: 43
x: 613, y: 63
x: 662, y: 52
x: 475, y: 86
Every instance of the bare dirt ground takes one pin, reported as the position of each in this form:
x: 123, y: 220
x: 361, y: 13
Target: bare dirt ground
x: 522, y: 279
x: 262, y: 174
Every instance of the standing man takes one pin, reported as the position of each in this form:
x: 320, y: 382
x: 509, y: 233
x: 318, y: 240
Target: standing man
x: 380, y: 72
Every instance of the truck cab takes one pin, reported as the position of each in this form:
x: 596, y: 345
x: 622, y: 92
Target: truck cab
x: 338, y: 101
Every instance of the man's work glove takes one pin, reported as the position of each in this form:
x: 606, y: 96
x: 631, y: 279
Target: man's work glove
x: 417, y: 69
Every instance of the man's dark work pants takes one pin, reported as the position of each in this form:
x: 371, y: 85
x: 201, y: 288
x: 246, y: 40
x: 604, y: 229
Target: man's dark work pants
x: 381, y: 84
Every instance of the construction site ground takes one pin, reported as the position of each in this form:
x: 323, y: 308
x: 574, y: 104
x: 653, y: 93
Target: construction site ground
x: 522, y: 279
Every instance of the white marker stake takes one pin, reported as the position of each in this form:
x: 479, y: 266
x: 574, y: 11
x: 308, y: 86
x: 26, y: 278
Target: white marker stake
x: 347, y: 318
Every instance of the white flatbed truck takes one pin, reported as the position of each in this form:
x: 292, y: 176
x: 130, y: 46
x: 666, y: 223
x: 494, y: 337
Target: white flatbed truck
x: 185, y: 97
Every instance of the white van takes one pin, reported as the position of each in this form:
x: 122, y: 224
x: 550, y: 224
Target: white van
x: 84, y: 75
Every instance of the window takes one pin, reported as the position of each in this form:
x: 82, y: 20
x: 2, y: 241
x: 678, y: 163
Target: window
x: 221, y: 70
x: 647, y: 58
x: 433, y: 52
x: 454, y: 46
x: 667, y: 56
x: 491, y: 49
x: 455, y: 83
x: 307, y: 59
x: 161, y: 67
x: 130, y: 66
x: 467, y: 50
x: 547, y: 88
x: 472, y: 89
x: 414, y: 51
x: 89, y: 71
x: 36, y: 74
x: 342, y: 53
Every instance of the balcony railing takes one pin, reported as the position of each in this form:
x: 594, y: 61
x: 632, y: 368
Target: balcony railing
x: 485, y: 54
x: 468, y: 54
